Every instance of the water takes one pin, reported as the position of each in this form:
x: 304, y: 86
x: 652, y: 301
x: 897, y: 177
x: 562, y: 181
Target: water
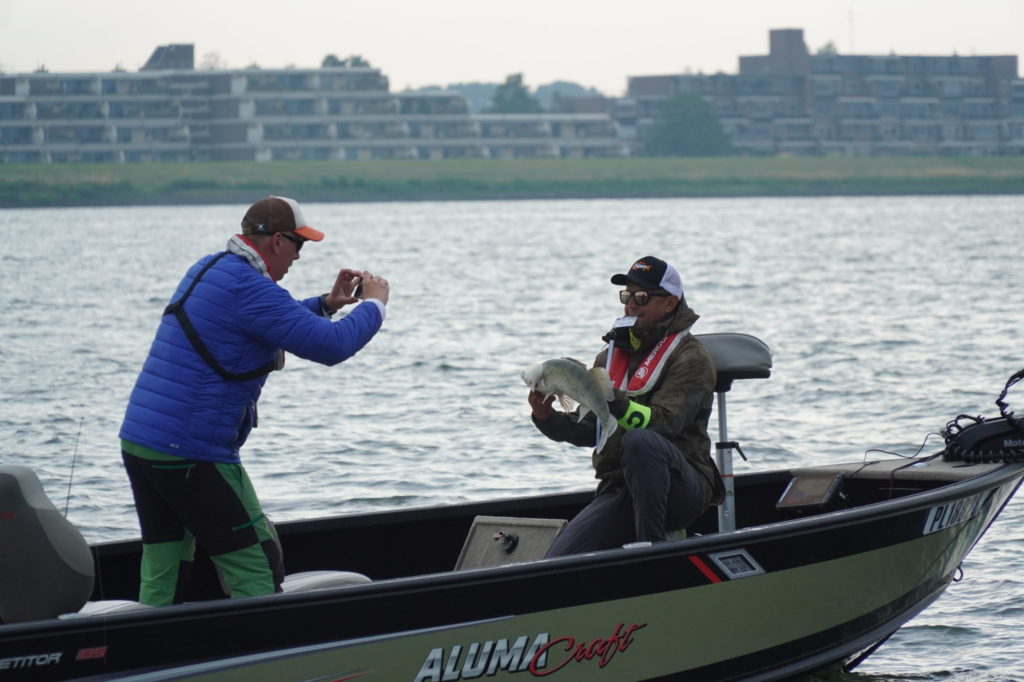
x: 887, y: 317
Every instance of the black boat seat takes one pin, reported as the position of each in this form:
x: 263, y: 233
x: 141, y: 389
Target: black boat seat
x: 46, y: 566
x: 308, y: 581
x: 737, y: 356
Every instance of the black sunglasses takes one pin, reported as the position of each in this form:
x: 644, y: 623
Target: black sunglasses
x: 297, y: 241
x: 641, y: 297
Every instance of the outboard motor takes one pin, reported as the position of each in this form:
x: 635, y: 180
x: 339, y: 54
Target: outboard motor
x: 46, y: 567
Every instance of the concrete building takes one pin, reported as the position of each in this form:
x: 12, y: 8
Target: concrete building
x: 168, y: 111
x: 790, y: 101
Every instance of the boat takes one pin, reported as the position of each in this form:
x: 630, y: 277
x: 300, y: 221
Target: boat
x: 801, y: 569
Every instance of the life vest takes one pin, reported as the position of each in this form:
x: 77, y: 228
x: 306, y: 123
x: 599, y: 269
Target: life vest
x: 177, y: 308
x: 649, y: 371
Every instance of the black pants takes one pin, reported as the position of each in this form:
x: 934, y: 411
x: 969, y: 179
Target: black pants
x: 186, y: 501
x: 662, y: 492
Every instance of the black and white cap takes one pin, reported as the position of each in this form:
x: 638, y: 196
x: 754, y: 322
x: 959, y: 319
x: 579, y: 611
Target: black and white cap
x: 652, y: 273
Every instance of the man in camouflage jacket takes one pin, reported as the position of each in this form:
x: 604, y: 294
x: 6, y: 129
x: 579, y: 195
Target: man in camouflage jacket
x: 655, y: 471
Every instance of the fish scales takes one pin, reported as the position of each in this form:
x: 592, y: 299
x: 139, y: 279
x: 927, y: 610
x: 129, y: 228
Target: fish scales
x: 571, y: 382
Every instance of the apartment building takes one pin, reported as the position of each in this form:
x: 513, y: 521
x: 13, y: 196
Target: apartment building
x: 792, y: 102
x: 169, y: 111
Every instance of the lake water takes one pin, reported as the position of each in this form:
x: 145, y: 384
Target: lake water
x: 887, y: 317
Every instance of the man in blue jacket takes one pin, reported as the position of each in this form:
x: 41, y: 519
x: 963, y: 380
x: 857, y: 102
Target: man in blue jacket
x: 226, y: 328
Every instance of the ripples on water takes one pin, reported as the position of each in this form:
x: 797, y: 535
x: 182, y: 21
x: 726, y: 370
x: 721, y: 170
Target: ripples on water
x: 887, y: 317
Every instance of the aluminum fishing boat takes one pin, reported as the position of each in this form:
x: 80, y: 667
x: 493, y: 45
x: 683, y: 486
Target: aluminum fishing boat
x: 800, y: 569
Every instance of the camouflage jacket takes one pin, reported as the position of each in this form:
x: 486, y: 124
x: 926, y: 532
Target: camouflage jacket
x: 680, y: 405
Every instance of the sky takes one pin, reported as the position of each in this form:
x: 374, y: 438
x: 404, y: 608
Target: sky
x: 596, y: 43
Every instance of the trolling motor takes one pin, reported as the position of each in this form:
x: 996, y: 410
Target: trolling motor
x: 1000, y: 439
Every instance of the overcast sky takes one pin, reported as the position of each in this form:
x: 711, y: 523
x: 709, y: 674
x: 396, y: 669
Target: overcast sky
x: 596, y: 43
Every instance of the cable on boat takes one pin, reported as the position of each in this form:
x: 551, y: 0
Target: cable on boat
x: 899, y: 454
x: 1004, y: 407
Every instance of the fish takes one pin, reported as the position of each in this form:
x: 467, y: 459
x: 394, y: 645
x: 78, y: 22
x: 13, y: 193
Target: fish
x: 570, y: 381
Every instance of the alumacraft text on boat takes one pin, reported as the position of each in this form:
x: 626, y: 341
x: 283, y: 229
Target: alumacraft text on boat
x: 486, y: 658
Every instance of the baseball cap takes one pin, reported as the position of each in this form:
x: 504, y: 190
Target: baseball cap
x: 278, y: 214
x: 652, y: 273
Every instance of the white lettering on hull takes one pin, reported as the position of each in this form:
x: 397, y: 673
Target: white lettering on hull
x: 482, y: 658
x: 944, y: 516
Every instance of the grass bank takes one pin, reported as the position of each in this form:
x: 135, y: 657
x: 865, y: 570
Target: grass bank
x: 204, y: 183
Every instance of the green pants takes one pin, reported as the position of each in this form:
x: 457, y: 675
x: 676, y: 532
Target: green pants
x: 181, y: 502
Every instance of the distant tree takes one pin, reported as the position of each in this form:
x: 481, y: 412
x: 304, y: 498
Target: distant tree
x: 478, y: 95
x: 828, y: 48
x: 512, y: 97
x: 548, y: 94
x: 686, y: 126
x: 353, y: 60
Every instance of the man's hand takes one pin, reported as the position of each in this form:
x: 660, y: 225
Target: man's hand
x: 375, y: 287
x: 343, y: 291
x: 540, y: 405
x: 619, y: 405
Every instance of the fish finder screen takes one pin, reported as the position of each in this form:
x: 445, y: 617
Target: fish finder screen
x: 809, y: 491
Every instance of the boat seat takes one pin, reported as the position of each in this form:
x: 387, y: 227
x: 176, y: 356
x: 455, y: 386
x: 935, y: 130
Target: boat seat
x: 107, y: 607
x: 737, y: 356
x: 308, y: 581
x: 305, y: 581
x: 46, y: 566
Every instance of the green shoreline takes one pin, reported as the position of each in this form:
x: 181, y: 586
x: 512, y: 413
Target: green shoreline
x: 62, y: 185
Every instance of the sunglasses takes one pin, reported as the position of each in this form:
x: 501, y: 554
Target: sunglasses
x: 299, y: 241
x: 641, y: 297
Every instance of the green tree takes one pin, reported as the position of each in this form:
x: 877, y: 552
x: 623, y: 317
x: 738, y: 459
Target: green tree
x: 512, y: 97
x: 686, y: 126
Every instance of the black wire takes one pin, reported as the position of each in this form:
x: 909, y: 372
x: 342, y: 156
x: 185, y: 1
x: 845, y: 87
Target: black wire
x: 897, y: 454
x: 1004, y: 406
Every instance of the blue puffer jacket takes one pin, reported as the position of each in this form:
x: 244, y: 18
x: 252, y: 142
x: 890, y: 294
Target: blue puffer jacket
x: 180, y: 406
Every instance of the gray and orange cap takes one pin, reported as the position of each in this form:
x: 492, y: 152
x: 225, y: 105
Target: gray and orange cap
x: 652, y: 273
x: 278, y: 214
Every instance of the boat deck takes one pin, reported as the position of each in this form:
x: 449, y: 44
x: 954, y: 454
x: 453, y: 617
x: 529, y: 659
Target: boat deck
x: 917, y: 469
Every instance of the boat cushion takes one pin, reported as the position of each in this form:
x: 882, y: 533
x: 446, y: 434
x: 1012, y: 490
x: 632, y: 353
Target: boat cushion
x: 107, y: 607
x: 308, y: 581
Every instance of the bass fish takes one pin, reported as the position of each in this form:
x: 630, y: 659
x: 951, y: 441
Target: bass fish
x: 570, y: 381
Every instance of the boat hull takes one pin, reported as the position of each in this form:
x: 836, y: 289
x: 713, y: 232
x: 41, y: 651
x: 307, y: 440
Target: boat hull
x: 764, y: 602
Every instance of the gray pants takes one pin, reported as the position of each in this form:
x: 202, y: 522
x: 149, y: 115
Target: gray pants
x: 662, y: 491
